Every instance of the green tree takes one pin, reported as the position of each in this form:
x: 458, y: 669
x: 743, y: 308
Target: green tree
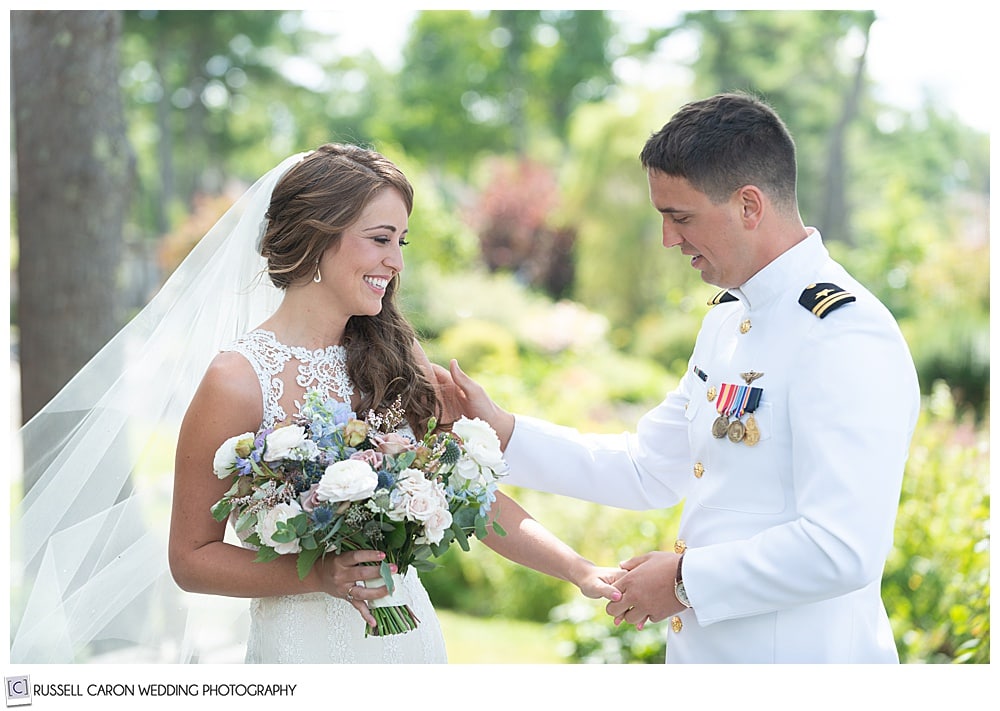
x: 622, y: 270
x: 204, y: 90
x: 810, y: 66
x: 445, y: 112
x: 497, y: 82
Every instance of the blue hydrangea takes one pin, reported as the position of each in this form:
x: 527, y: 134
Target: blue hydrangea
x: 342, y: 413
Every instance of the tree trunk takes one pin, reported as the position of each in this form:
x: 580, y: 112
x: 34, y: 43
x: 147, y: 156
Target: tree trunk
x: 836, y: 217
x: 74, y: 169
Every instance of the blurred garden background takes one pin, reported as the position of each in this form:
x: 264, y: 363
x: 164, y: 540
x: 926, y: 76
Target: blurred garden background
x: 534, y: 256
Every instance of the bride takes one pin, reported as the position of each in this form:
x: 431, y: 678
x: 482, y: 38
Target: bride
x: 328, y: 228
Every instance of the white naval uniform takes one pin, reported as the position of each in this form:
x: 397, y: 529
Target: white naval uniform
x: 786, y: 539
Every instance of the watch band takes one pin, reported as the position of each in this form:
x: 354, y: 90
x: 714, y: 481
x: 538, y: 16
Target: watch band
x: 679, y: 591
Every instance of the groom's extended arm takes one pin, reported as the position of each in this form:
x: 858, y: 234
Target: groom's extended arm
x: 644, y: 470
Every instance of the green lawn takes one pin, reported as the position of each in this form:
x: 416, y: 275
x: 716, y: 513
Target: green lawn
x: 479, y: 640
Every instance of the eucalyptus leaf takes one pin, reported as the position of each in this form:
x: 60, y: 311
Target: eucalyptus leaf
x: 465, y: 518
x: 386, y: 573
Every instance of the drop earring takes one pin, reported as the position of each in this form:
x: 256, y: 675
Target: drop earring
x: 318, y: 277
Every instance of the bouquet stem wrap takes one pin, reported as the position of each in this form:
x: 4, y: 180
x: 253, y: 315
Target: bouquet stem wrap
x: 392, y: 612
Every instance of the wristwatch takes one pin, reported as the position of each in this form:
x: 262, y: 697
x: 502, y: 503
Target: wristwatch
x: 679, y: 590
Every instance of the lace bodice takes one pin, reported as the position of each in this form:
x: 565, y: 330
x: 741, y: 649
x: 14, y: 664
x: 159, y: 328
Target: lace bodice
x: 323, y: 369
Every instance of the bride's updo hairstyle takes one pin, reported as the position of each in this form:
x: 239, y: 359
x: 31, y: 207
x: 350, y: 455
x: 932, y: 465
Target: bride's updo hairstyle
x: 310, y: 208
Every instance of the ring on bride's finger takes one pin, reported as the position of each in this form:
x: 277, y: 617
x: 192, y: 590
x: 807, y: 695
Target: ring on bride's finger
x: 350, y: 596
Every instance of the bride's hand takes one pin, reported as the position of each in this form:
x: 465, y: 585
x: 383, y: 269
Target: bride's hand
x: 343, y: 575
x: 598, y: 582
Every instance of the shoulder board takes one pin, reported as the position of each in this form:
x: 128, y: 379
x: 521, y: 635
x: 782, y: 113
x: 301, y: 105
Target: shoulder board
x: 721, y: 298
x: 823, y: 298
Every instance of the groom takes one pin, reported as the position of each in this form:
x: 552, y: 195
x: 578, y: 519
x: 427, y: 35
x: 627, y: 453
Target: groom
x: 786, y: 437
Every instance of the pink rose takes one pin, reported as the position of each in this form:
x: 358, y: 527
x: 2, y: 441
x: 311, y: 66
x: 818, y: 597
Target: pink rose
x: 308, y: 499
x: 393, y: 443
x: 370, y: 456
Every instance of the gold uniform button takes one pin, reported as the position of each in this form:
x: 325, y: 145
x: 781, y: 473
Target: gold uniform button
x: 745, y: 326
x: 712, y: 392
x: 675, y: 623
x: 699, y: 470
x: 680, y: 545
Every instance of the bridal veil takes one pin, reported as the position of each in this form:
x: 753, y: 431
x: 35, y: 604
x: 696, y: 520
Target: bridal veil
x: 89, y: 574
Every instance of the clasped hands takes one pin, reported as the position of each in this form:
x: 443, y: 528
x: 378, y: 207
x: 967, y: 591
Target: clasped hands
x: 646, y: 584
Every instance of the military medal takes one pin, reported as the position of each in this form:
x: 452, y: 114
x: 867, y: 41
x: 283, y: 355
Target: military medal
x: 737, y: 429
x: 735, y: 401
x: 752, y: 434
x: 723, y: 405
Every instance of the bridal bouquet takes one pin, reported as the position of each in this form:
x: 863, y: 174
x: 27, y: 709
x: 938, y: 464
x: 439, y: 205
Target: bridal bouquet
x: 330, y: 482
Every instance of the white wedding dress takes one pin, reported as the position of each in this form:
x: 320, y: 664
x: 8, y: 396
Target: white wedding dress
x: 317, y: 628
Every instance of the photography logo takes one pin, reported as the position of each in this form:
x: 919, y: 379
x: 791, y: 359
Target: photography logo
x: 18, y: 690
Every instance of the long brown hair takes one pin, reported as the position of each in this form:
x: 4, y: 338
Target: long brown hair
x: 310, y: 208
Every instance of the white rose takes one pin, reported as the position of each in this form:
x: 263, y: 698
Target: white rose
x: 481, y: 442
x: 435, y: 526
x: 348, y: 480
x: 288, y: 442
x: 468, y: 469
x: 225, y: 456
x: 412, y: 480
x: 267, y: 526
x: 420, y: 505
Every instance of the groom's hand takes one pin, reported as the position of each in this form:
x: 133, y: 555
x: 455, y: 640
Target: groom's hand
x: 472, y: 400
x: 647, y: 589
x: 452, y: 401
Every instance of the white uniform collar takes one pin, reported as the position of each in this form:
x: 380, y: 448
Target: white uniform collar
x: 785, y: 271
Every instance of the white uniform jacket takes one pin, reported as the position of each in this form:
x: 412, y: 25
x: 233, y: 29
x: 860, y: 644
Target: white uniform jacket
x: 786, y: 538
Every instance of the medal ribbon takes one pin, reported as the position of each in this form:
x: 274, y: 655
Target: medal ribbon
x: 753, y: 399
x: 742, y: 397
x: 727, y: 394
